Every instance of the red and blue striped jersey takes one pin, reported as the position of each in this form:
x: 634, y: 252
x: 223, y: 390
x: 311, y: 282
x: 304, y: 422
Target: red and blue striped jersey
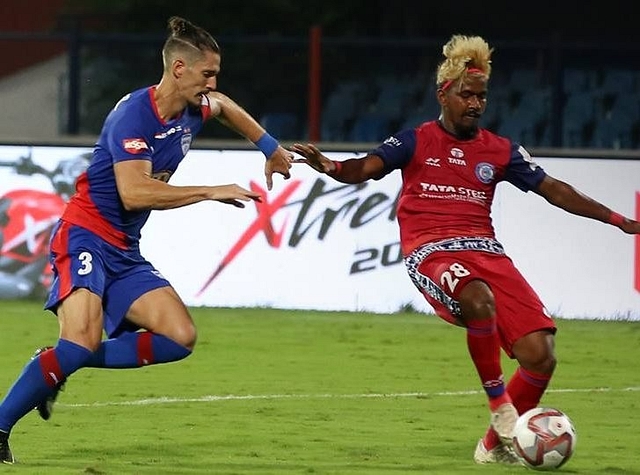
x: 133, y: 130
x: 448, y: 184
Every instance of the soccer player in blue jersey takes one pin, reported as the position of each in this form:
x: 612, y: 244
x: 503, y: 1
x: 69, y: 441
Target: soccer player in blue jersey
x: 102, y: 282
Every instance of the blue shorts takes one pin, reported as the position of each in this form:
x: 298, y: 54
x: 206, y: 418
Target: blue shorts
x: 81, y: 259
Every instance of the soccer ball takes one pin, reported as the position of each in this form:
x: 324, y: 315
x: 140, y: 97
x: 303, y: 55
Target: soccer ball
x: 544, y: 438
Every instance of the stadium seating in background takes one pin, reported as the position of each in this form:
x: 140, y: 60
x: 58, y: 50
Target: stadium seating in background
x: 282, y: 125
x: 527, y: 119
x: 617, y: 122
x: 599, y: 108
x: 346, y: 101
x: 617, y: 81
x: 395, y: 96
x: 371, y: 127
x: 498, y: 107
x: 522, y: 80
x: 578, y: 115
x: 415, y: 120
x: 617, y: 110
x: 578, y: 80
x: 423, y: 107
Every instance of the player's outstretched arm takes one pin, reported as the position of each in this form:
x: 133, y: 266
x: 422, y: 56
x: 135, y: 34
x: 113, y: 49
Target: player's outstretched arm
x: 565, y: 196
x: 354, y: 170
x: 232, y: 195
x: 233, y: 116
x: 139, y: 191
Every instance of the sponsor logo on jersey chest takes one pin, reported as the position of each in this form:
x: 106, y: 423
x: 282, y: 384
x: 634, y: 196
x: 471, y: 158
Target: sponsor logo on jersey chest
x: 456, y: 157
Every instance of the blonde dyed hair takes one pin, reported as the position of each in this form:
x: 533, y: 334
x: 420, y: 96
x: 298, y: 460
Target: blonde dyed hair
x: 463, y: 53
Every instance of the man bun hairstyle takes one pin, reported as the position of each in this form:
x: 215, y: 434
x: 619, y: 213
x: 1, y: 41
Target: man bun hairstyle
x: 185, y: 38
x: 464, y: 55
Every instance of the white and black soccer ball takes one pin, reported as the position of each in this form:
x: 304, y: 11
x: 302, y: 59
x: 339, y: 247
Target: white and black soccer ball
x: 544, y: 438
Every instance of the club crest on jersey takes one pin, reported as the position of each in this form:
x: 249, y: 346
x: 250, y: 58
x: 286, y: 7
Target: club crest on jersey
x: 485, y: 172
x: 135, y: 145
x: 185, y: 143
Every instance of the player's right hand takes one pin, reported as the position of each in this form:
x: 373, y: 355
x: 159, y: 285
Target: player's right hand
x: 234, y: 195
x: 630, y: 226
x: 312, y: 157
x: 279, y: 162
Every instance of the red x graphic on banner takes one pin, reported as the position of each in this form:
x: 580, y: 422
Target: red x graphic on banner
x: 262, y: 223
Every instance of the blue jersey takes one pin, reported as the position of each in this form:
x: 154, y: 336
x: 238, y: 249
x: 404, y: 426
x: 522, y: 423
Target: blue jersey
x: 133, y: 130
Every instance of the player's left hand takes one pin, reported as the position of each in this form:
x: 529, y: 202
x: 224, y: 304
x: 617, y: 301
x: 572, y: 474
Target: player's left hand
x: 630, y: 226
x: 312, y: 157
x: 278, y: 162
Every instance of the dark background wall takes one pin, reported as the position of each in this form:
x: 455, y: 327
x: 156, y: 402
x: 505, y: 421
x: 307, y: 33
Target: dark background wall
x: 367, y: 47
x: 589, y: 20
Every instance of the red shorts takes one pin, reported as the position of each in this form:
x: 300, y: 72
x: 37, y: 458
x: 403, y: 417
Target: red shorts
x: 442, y: 274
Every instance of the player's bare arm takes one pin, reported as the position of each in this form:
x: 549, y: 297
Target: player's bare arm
x: 566, y: 197
x: 233, y: 116
x: 355, y: 170
x: 138, y: 190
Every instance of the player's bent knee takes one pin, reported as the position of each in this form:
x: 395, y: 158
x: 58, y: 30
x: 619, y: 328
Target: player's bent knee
x: 547, y: 363
x: 535, y: 352
x: 540, y: 366
x: 89, y: 338
x: 477, y: 300
x: 185, y: 335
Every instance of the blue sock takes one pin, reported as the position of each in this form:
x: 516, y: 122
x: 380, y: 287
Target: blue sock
x: 132, y: 350
x: 38, y: 380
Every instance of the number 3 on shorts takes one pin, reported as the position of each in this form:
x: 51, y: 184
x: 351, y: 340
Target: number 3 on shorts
x: 452, y: 276
x: 85, y: 259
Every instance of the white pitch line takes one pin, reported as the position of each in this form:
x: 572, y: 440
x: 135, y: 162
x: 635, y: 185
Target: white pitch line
x: 233, y: 397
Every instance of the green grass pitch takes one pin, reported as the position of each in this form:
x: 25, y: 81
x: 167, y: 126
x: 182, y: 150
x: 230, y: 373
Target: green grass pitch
x: 305, y: 392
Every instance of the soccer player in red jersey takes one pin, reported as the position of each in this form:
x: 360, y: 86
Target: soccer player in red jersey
x: 450, y: 168
x: 101, y: 280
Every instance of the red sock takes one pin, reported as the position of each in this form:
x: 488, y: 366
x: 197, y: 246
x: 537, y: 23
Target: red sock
x: 491, y: 439
x: 484, y: 347
x: 526, y: 389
